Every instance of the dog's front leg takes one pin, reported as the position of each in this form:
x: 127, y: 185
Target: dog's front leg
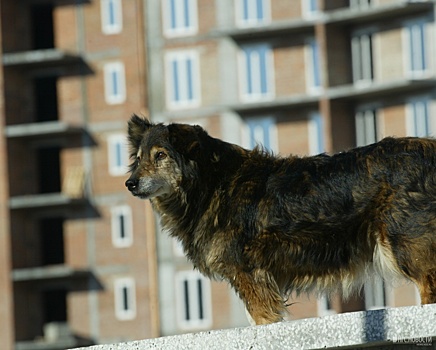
x: 260, y: 293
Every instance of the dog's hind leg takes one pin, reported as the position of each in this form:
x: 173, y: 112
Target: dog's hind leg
x: 427, y: 288
x: 261, y: 295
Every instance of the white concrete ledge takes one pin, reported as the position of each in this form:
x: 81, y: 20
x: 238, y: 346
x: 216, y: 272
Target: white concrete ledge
x: 404, y: 328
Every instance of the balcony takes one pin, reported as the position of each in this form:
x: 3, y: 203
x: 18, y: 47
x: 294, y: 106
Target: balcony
x: 273, y: 29
x: 70, y: 202
x: 378, y: 90
x: 44, y: 201
x: 49, y: 273
x: 60, y: 2
x: 275, y: 104
x: 57, y: 336
x: 42, y: 130
x: 47, y: 62
x: 376, y: 13
x: 43, y: 57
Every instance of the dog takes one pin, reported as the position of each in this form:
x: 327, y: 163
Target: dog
x: 272, y: 225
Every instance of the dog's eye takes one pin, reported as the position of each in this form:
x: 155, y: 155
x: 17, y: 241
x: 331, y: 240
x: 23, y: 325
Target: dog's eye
x: 160, y: 155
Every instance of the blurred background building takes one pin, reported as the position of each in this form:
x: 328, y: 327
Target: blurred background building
x: 82, y: 261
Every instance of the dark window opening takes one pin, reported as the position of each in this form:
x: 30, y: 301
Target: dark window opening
x: 46, y: 99
x: 122, y: 228
x: 52, y: 241
x: 371, y: 62
x: 42, y: 26
x: 200, y: 299
x: 126, y: 306
x: 49, y: 175
x: 186, y: 295
x: 55, y: 305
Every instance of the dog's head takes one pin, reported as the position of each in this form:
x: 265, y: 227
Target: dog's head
x: 163, y: 156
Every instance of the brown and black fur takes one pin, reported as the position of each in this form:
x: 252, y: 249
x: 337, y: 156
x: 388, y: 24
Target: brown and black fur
x: 271, y: 225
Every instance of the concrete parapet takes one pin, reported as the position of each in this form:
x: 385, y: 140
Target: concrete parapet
x: 400, y: 328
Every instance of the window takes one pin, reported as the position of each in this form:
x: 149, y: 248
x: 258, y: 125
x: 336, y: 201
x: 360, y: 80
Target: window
x: 310, y: 7
x: 118, y: 155
x: 252, y: 12
x: 416, y: 48
x: 193, y: 300
x: 257, y: 72
x: 178, y: 248
x: 362, y: 58
x: 121, y: 222
x: 111, y: 16
x: 125, y: 298
x: 418, y: 120
x: 366, y: 127
x: 360, y: 4
x: 375, y: 294
x: 261, y: 131
x: 180, y: 17
x: 417, y: 295
x: 114, y: 83
x: 325, y: 306
x: 183, y: 79
x: 316, y: 134
x: 313, y: 66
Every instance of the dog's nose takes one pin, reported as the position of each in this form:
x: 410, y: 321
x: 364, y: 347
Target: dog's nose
x: 131, y: 184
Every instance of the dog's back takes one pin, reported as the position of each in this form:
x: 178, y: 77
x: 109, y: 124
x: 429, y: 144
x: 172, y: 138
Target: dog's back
x: 337, y: 215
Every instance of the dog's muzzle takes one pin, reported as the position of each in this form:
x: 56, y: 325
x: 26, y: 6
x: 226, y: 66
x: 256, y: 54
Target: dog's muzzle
x: 132, y: 185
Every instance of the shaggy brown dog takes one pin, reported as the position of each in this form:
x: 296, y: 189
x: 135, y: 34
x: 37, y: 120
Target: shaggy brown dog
x: 271, y: 225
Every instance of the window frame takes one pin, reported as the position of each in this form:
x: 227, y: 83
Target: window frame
x: 314, y: 81
x: 372, y: 289
x: 110, y: 69
x: 178, y: 250
x: 411, y: 121
x: 170, y: 15
x: 310, y: 8
x: 184, y: 83
x: 255, y: 76
x: 316, y: 133
x: 185, y: 280
x: 324, y: 306
x: 360, y: 4
x: 363, y: 62
x: 252, y: 7
x: 364, y: 113
x: 107, y: 27
x: 425, y: 48
x: 118, y: 240
x: 115, y: 141
x: 248, y: 132
x: 125, y: 289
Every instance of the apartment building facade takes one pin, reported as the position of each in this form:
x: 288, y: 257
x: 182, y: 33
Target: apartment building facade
x: 301, y: 77
x: 77, y: 250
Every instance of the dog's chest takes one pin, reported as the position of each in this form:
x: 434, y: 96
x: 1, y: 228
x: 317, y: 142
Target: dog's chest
x: 211, y: 256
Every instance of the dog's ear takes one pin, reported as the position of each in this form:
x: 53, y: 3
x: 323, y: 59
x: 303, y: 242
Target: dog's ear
x: 137, y: 126
x: 194, y: 148
x: 187, y: 139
